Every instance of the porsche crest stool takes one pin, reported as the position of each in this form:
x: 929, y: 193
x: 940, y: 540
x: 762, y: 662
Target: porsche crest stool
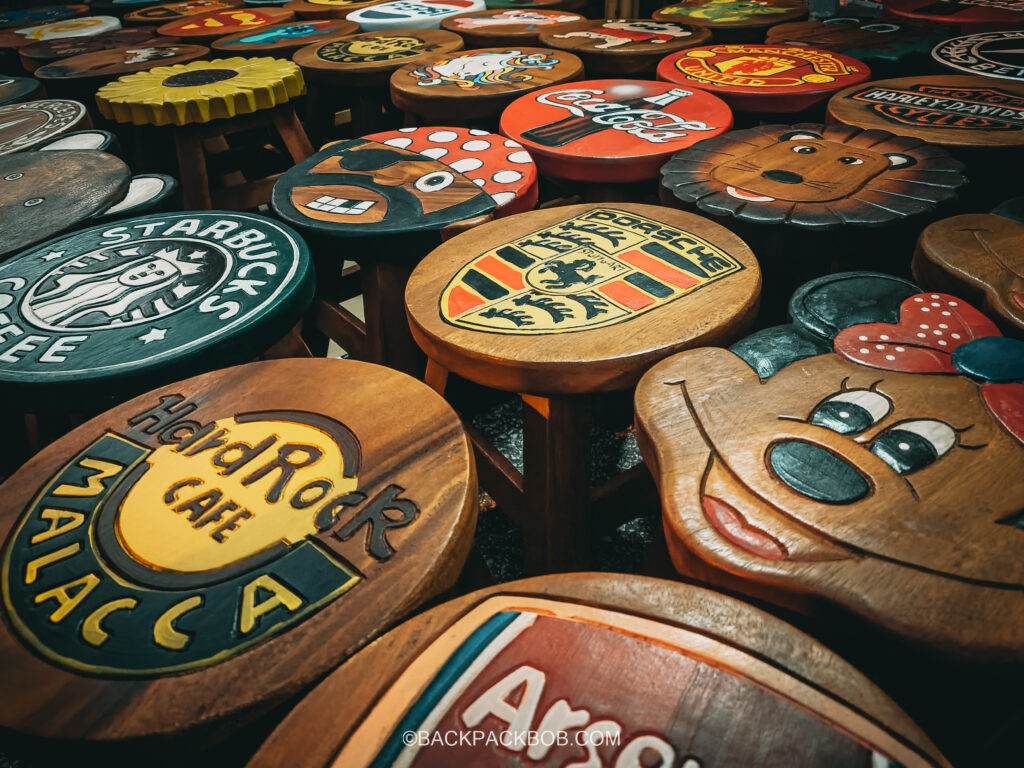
x: 622, y: 47
x: 327, y: 9
x: 701, y: 665
x: 207, y: 27
x: 733, y: 21
x: 507, y: 26
x: 211, y: 99
x: 165, y: 13
x: 471, y: 88
x: 45, y: 52
x: 560, y: 306
x: 354, y: 72
x: 17, y: 89
x: 29, y: 123
x: 260, y: 529
x: 970, y: 17
x: 284, y: 39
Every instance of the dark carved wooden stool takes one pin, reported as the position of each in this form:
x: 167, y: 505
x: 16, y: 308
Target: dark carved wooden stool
x: 734, y: 21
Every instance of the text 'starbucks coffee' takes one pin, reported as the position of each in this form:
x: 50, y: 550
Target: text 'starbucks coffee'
x: 187, y: 529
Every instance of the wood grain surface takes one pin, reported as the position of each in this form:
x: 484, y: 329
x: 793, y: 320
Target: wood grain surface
x: 285, y: 39
x: 694, y: 677
x: 48, y: 51
x: 877, y: 43
x: 206, y: 27
x: 17, y: 36
x: 992, y: 54
x: 102, y: 66
x: 580, y: 298
x: 327, y: 9
x: 507, y: 26
x: 166, y: 12
x: 16, y: 89
x: 733, y: 16
x: 353, y: 502
x: 27, y: 124
x: 974, y: 16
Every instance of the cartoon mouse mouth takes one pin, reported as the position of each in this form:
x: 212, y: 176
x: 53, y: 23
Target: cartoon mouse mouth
x: 753, y: 197
x: 330, y: 204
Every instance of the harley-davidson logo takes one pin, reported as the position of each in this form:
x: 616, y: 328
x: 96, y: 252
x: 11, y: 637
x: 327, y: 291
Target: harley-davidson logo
x: 987, y: 109
x: 597, y: 269
x: 761, y: 66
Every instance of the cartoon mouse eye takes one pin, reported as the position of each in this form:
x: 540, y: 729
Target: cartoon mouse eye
x: 852, y: 411
x: 851, y: 161
x: 913, y: 445
x: 803, y: 149
x: 433, y: 181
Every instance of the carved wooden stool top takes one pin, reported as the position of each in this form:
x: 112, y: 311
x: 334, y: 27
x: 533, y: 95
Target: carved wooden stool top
x: 26, y: 17
x: 27, y: 124
x: 167, y: 12
x: 285, y: 39
x: 17, y: 89
x: 992, y: 54
x: 207, y: 27
x: 872, y: 41
x: 48, y: 51
x: 111, y: 64
x: 973, y: 16
x: 747, y: 16
x: 79, y: 26
x: 507, y: 26
x: 327, y: 9
x: 411, y: 14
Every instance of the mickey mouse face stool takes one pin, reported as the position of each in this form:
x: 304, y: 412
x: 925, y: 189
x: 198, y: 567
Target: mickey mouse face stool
x: 207, y: 100
x: 561, y: 306
x: 734, y: 21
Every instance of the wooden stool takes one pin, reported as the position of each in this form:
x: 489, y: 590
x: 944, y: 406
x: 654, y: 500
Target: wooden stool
x: 496, y: 26
x: 14, y: 90
x: 499, y: 166
x: 327, y: 9
x: 980, y: 120
x: 354, y: 72
x: 623, y: 47
x: 167, y: 12
x: 758, y: 79
x: 383, y: 207
x: 551, y: 5
x: 993, y: 54
x: 702, y: 668
x: 27, y: 124
x: 50, y: 51
x: 977, y: 256
x: 15, y: 18
x: 558, y: 306
x: 207, y: 27
x: 296, y: 523
x: 969, y: 17
x: 810, y: 199
x: 411, y: 14
x: 195, y: 97
x: 285, y: 39
x: 147, y: 193
x: 734, y: 21
x: 474, y: 87
x: 80, y: 26
x: 611, y: 133
x: 104, y: 141
x: 887, y: 47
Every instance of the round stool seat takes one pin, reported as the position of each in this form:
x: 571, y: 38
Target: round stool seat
x: 81, y: 26
x: 48, y: 51
x: 992, y: 54
x: 975, y: 16
x: 480, y: 83
x: 503, y: 26
x: 411, y: 14
x: 45, y: 193
x: 102, y: 66
x: 207, y: 27
x: 17, y: 89
x: 704, y: 669
x: 580, y: 299
x: 612, y: 131
x: 200, y: 91
x: 764, y: 78
x: 167, y: 12
x: 15, y: 18
x: 733, y: 20
x: 284, y: 39
x: 327, y: 9
x: 239, y: 525
x: 499, y: 166
x: 24, y: 125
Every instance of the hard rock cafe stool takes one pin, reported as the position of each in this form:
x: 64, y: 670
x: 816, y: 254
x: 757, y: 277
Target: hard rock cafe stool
x: 703, y: 667
x: 813, y: 199
x: 354, y: 72
x: 204, y: 28
x: 507, y: 26
x: 382, y: 207
x: 207, y: 100
x: 261, y: 529
x: 560, y: 306
x: 978, y: 119
x: 607, y: 139
x: 24, y: 125
x: 472, y: 88
x: 733, y: 21
x: 809, y: 466
x: 622, y: 47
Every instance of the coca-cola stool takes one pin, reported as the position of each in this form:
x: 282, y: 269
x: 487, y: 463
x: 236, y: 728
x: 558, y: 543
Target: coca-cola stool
x: 564, y: 307
x: 607, y: 139
x: 507, y: 26
x: 733, y: 21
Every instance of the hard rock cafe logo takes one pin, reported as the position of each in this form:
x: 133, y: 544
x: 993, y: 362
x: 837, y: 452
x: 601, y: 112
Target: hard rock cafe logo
x: 375, y: 48
x: 474, y: 70
x: 986, y: 109
x: 179, y: 542
x: 597, y: 269
x: 639, y: 117
x: 761, y: 66
x: 615, y: 34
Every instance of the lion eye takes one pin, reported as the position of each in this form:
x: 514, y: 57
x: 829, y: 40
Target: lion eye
x: 851, y: 412
x: 803, y: 149
x: 914, y: 445
x: 432, y: 182
x: 851, y: 161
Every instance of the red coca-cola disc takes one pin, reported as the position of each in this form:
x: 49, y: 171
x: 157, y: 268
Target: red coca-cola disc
x: 612, y: 131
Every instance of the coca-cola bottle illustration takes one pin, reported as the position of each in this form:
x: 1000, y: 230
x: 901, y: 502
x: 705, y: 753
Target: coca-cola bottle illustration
x: 572, y: 129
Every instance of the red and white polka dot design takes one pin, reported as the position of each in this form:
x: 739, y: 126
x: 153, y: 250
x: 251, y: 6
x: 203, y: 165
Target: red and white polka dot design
x: 501, y: 166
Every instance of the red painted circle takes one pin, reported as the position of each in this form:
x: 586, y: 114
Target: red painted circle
x: 976, y: 16
x: 500, y: 166
x: 612, y: 131
x: 764, y: 78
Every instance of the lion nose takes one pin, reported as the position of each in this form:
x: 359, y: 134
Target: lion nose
x: 817, y: 473
x: 783, y: 177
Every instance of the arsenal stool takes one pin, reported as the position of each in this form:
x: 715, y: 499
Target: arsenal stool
x: 562, y: 306
x: 967, y: 17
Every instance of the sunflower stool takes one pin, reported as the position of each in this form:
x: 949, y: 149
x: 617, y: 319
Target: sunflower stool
x: 208, y: 100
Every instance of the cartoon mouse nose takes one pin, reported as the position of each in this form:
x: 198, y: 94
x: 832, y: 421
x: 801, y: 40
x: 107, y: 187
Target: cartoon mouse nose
x: 783, y: 177
x: 817, y: 473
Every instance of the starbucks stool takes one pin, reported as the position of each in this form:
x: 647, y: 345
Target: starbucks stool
x: 204, y: 28
x: 165, y: 13
x: 733, y: 21
x: 561, y: 306
x: 507, y: 26
x: 207, y: 100
x: 32, y: 122
x: 243, y: 525
x: 284, y: 39
x: 354, y: 72
x: 51, y: 51
x: 472, y: 88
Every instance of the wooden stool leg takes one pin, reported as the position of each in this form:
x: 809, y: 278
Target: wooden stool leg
x: 292, y: 134
x: 389, y: 341
x: 436, y: 376
x: 556, y: 486
x: 195, y: 184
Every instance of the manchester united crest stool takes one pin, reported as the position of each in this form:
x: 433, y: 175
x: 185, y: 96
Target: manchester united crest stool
x: 701, y: 664
x: 198, y: 555
x: 354, y: 72
x: 562, y: 305
x: 204, y: 100
x: 207, y: 27
x: 473, y: 87
x: 969, y: 17
x: 993, y: 54
x: 167, y: 12
x: 327, y: 9
x: 284, y: 39
x: 507, y: 26
x: 27, y: 124
x: 623, y: 47
x: 49, y: 51
x: 758, y: 79
x: 411, y: 14
x: 734, y: 21
x: 17, y: 89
